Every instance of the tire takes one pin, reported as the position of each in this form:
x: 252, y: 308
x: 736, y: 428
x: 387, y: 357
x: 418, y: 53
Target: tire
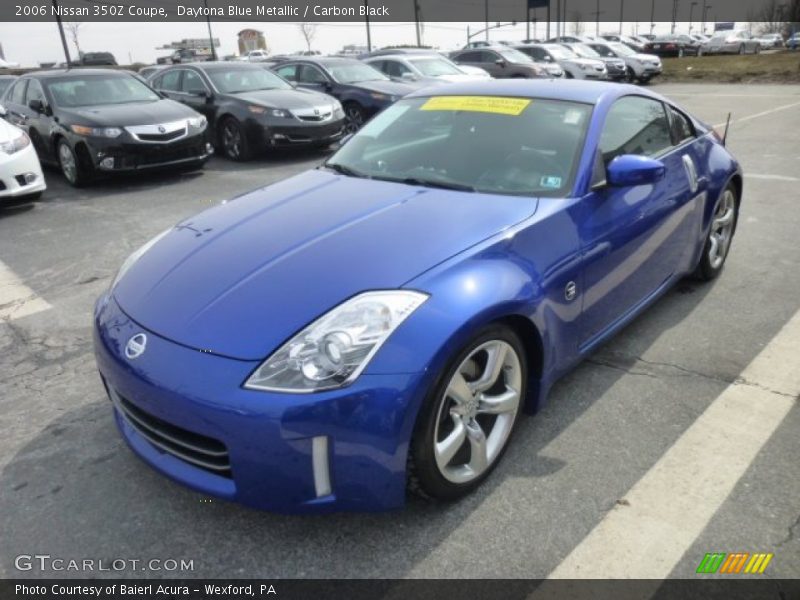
x: 233, y: 141
x: 723, y: 226
x: 354, y: 117
x: 631, y: 75
x: 568, y: 75
x: 436, y: 470
x: 71, y: 166
x: 742, y: 49
x: 644, y: 80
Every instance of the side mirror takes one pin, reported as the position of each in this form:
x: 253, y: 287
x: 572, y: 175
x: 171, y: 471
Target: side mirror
x: 37, y: 106
x: 631, y: 170
x: 500, y: 62
x: 408, y: 76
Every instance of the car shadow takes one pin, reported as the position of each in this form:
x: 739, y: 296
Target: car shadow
x: 75, y: 490
x: 10, y: 208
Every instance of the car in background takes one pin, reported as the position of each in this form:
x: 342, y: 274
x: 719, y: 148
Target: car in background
x: 20, y: 172
x: 477, y: 44
x: 257, y: 56
x: 148, y: 71
x: 90, y: 121
x: 250, y: 108
x: 731, y: 42
x: 5, y: 82
x: 616, y: 67
x: 362, y: 90
x: 640, y: 66
x: 675, y: 45
x: 501, y: 62
x: 770, y: 40
x: 183, y: 55
x: 569, y: 39
x: 428, y: 68
x: 97, y: 59
x: 793, y: 41
x: 574, y: 66
x: 379, y: 325
x: 630, y: 41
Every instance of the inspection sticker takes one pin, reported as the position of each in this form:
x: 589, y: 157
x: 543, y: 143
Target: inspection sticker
x: 487, y: 104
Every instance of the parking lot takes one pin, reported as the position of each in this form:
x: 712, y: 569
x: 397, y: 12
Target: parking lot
x: 70, y: 488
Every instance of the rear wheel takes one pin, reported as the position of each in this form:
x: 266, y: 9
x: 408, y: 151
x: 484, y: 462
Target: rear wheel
x: 718, y: 242
x: 466, y: 421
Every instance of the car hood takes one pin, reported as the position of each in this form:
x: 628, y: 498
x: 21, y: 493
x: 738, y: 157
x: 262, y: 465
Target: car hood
x: 125, y: 115
x: 591, y: 62
x: 640, y: 56
x: 8, y: 131
x: 392, y: 88
x: 241, y: 278
x: 291, y: 99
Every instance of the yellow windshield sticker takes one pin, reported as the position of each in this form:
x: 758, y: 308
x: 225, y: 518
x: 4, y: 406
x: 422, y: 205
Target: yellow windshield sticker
x: 488, y: 104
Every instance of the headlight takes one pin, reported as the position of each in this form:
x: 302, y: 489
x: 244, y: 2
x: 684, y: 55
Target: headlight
x: 272, y: 112
x: 108, y: 132
x: 384, y: 97
x: 129, y: 262
x: 17, y: 144
x: 338, y: 111
x: 584, y: 67
x: 334, y: 350
x: 198, y: 122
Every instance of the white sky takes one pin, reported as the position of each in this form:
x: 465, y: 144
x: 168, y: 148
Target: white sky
x: 31, y: 43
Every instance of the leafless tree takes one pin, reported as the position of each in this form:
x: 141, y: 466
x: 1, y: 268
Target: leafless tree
x: 73, y: 28
x: 309, y: 30
x: 578, y: 24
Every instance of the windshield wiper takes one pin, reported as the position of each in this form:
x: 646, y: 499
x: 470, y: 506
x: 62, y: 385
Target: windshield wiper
x: 343, y: 170
x: 434, y: 183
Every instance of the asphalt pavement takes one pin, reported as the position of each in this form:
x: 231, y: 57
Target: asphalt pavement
x: 704, y: 365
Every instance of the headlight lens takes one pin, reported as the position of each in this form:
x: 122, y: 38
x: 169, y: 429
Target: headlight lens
x: 131, y: 260
x: 108, y: 132
x: 338, y: 111
x: 280, y: 113
x: 17, y: 144
x: 198, y: 122
x: 334, y: 350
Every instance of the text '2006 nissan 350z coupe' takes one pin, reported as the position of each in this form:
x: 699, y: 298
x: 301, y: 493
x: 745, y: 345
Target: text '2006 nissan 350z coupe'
x: 379, y: 324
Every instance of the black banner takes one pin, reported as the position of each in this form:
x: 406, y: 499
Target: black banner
x: 729, y: 588
x: 389, y: 10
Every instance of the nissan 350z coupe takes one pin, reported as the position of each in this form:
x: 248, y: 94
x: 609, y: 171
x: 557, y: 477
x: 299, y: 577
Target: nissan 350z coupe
x: 380, y: 323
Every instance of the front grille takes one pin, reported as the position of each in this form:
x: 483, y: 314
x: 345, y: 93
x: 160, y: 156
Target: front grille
x: 323, y: 117
x: 201, y: 451
x: 142, y: 156
x: 162, y: 137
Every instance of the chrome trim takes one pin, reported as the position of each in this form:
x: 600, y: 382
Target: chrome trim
x: 155, y: 129
x: 324, y: 113
x: 321, y: 466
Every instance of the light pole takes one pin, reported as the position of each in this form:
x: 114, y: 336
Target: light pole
x: 652, y: 16
x: 621, y: 8
x: 705, y: 16
x: 366, y: 19
x: 691, y: 11
x: 416, y: 22
x: 674, y: 15
x: 486, y: 17
x: 61, y: 31
x: 210, y: 37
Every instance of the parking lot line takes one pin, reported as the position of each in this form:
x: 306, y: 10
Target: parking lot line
x: 771, y: 177
x: 760, y: 114
x: 16, y: 299
x: 646, y: 533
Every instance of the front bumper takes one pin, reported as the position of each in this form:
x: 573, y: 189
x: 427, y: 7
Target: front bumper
x: 20, y: 174
x: 280, y: 449
x: 300, y: 133
x: 125, y: 154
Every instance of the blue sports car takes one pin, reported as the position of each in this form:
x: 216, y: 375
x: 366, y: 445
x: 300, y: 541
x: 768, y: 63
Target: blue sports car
x: 379, y: 324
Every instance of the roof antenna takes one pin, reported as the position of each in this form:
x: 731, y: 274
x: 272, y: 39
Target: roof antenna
x: 727, y: 124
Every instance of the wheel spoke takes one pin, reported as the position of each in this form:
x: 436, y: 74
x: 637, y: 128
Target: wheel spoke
x: 447, y: 448
x: 724, y: 220
x: 499, y: 404
x: 459, y: 389
x: 496, y: 356
x: 479, y: 458
x: 714, y: 250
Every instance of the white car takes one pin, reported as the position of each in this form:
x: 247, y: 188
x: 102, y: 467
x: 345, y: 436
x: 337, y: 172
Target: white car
x: 476, y: 72
x: 257, y: 55
x: 20, y: 172
x: 642, y: 67
x: 573, y: 65
x: 421, y: 67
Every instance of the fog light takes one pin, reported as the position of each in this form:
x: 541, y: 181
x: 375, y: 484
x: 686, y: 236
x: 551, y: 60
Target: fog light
x: 29, y: 177
x: 107, y: 163
x: 278, y: 136
x: 209, y: 149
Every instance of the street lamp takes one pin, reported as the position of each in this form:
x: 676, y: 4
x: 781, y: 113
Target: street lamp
x: 621, y: 8
x: 706, y: 7
x: 674, y: 15
x: 691, y: 10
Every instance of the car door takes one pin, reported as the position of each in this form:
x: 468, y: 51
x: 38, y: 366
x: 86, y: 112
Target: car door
x: 489, y: 62
x: 169, y: 83
x: 311, y: 77
x: 473, y: 58
x: 633, y: 238
x: 194, y: 92
x: 39, y: 122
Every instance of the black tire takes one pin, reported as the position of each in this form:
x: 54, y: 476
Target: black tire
x: 233, y: 140
x: 72, y: 167
x: 742, y: 49
x: 644, y: 80
x: 630, y: 75
x: 424, y: 476
x: 568, y: 75
x: 355, y: 116
x: 706, y: 269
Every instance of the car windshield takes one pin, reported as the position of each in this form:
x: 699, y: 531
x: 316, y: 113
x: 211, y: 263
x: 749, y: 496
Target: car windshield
x: 355, y: 72
x: 560, y: 52
x: 620, y: 49
x: 489, y: 144
x: 94, y: 90
x: 584, y: 51
x: 4, y: 83
x: 515, y: 56
x: 435, y: 67
x: 233, y: 81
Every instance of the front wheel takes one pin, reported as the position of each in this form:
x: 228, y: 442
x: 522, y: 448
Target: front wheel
x: 70, y: 164
x: 718, y: 242
x: 233, y: 140
x: 354, y: 117
x: 466, y: 421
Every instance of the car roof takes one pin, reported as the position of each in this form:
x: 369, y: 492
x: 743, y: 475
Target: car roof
x: 76, y: 71
x: 587, y: 92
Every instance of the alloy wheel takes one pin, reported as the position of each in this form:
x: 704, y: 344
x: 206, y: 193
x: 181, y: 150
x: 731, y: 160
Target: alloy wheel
x: 355, y: 119
x: 478, y: 411
x: 722, y: 229
x: 69, y: 165
x: 232, y: 139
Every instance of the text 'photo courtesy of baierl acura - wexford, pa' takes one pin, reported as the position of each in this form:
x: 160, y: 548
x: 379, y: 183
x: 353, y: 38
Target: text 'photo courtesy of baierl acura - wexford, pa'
x: 399, y: 299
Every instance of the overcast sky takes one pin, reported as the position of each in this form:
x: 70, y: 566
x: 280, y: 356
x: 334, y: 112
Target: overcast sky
x: 31, y: 43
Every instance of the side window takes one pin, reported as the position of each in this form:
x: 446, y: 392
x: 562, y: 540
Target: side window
x: 682, y: 128
x: 469, y: 57
x: 170, y: 81
x: 17, y: 94
x: 192, y: 83
x: 35, y: 92
x: 635, y: 125
x: 380, y: 65
x: 489, y: 57
x: 311, y: 74
x: 288, y: 72
x: 539, y: 55
x: 395, y: 69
